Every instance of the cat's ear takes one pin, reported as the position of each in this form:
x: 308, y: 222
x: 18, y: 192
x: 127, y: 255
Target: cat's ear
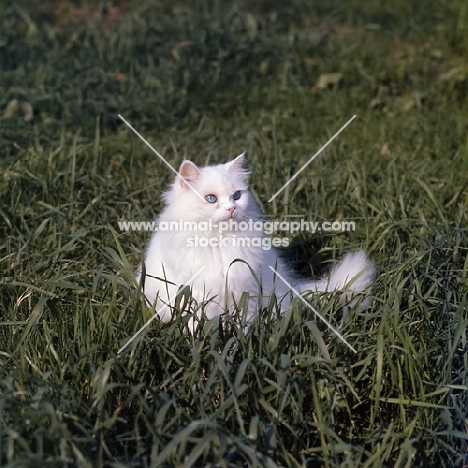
x: 189, y: 172
x: 237, y: 164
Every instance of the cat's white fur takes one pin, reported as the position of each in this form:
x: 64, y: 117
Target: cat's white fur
x: 171, y: 261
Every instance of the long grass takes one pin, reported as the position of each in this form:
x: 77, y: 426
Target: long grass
x: 206, y: 82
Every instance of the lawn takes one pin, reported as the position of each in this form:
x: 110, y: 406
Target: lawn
x: 207, y: 80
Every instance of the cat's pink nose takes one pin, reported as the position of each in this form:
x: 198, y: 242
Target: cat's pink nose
x: 231, y: 210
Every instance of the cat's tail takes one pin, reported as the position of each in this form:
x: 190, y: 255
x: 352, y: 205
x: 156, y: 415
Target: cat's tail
x: 353, y: 276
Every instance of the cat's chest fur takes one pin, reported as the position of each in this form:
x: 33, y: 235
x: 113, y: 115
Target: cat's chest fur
x: 227, y: 267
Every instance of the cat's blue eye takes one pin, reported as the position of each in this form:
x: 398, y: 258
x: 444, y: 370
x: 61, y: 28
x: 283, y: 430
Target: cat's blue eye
x: 211, y: 198
x: 237, y: 195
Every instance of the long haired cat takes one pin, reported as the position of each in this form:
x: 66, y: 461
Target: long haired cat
x: 234, y: 261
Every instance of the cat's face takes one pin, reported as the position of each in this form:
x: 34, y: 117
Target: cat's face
x: 216, y: 193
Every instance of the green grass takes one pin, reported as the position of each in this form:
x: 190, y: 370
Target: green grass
x: 207, y: 82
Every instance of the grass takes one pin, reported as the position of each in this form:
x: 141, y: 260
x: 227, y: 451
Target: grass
x: 206, y: 82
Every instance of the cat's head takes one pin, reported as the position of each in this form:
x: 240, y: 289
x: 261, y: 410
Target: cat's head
x: 216, y: 192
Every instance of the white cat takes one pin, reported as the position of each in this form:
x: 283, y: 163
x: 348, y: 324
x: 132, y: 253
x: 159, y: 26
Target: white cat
x: 204, y: 198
